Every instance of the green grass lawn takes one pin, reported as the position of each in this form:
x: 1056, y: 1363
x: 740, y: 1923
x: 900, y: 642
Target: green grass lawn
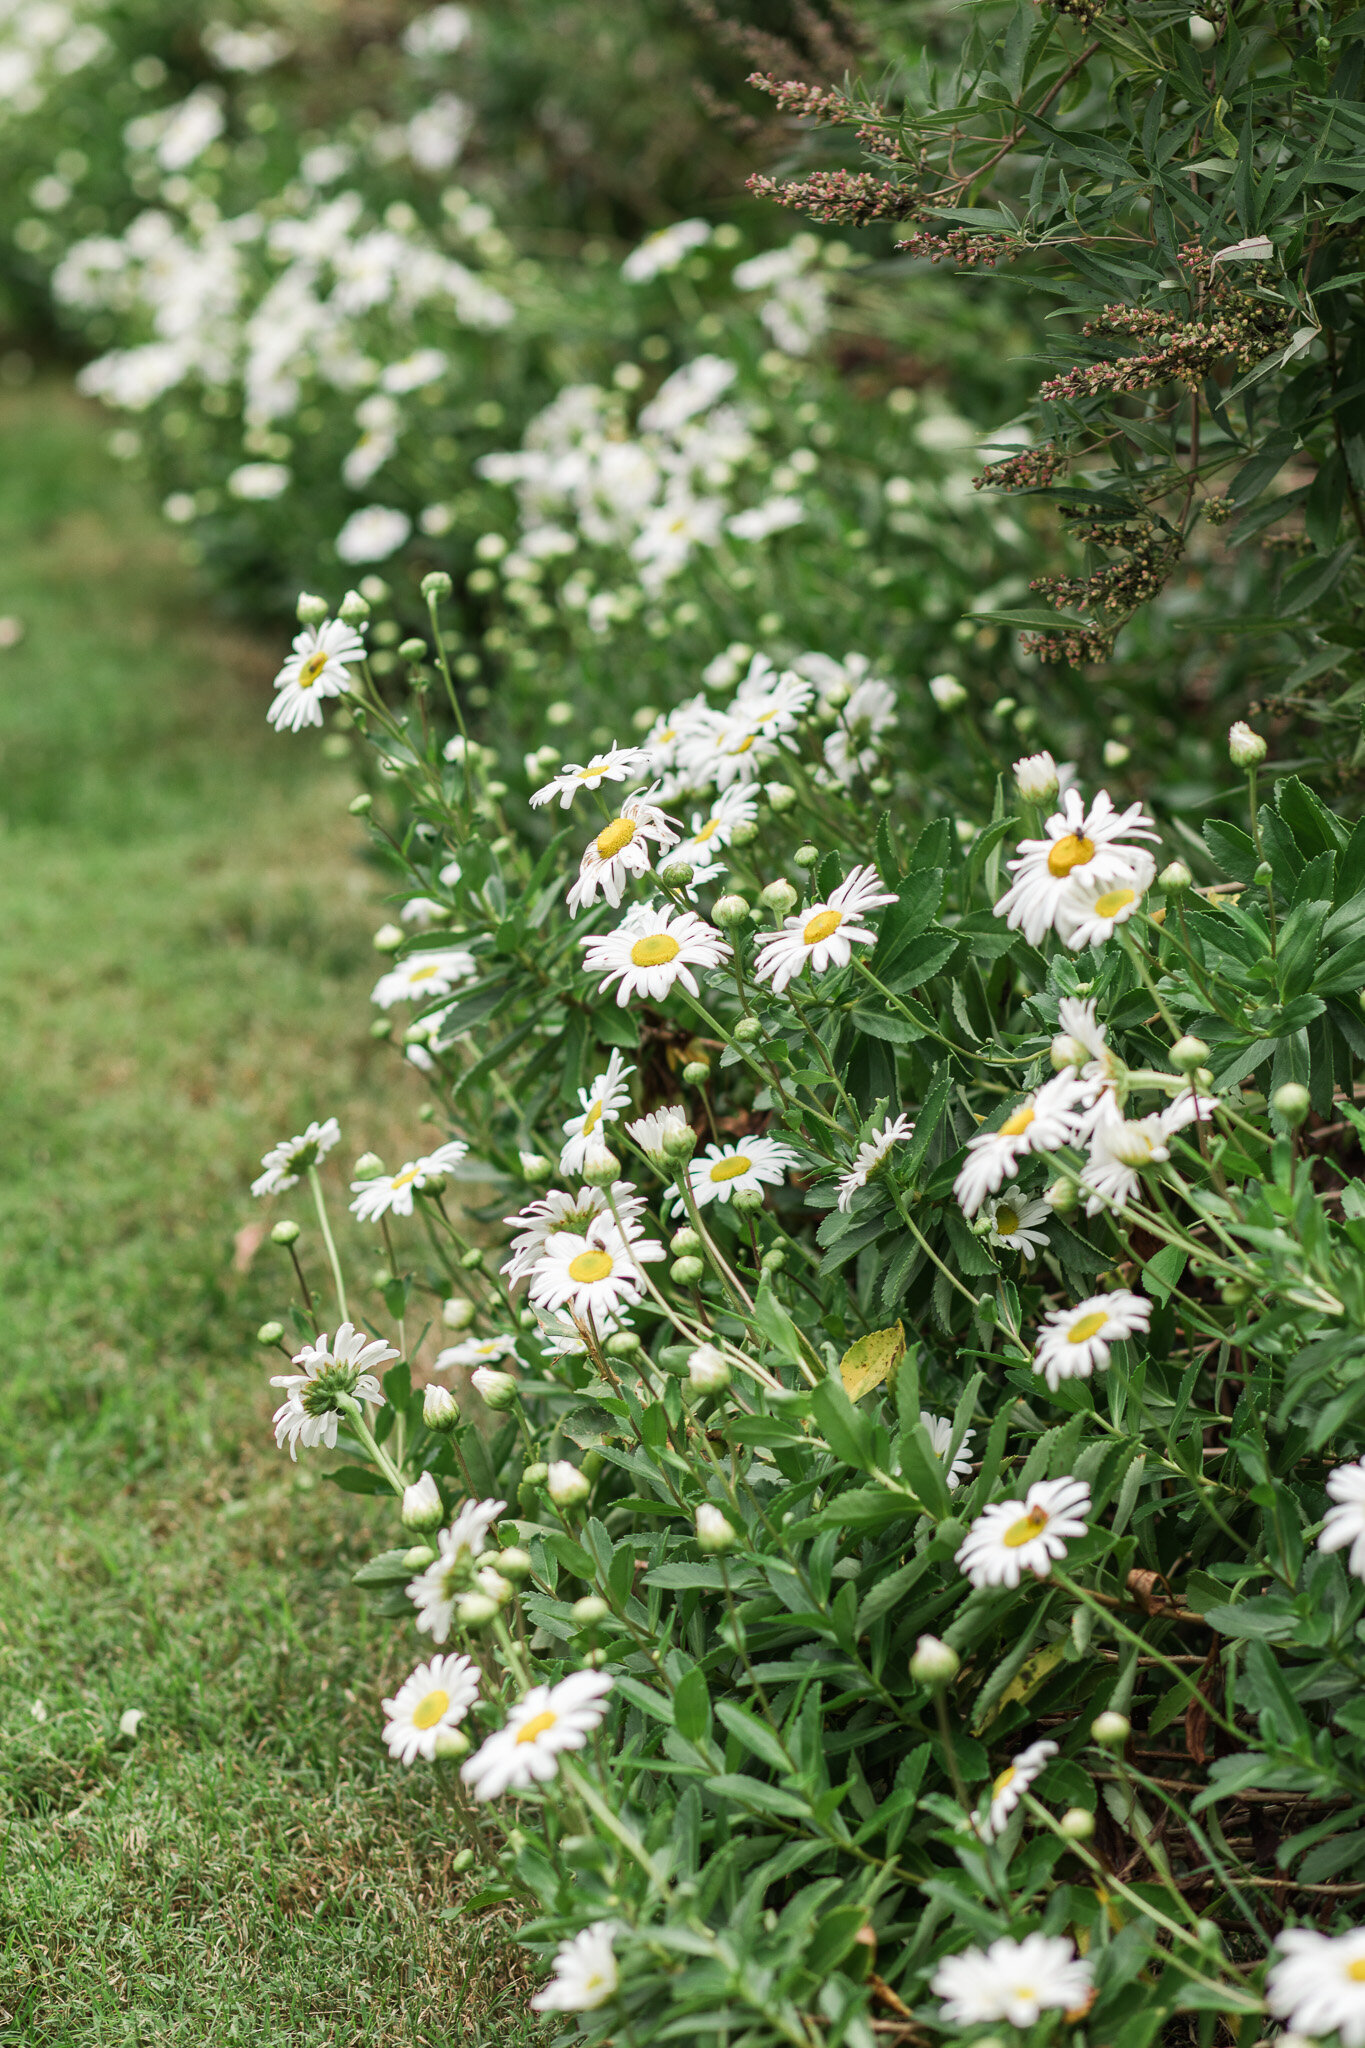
x: 184, y: 971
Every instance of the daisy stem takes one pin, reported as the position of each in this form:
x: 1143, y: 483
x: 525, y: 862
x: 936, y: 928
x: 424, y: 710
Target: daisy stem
x: 363, y: 1435
x: 303, y: 1284
x: 734, y: 1287
x: 316, y: 1185
x: 822, y: 1050
x: 510, y: 1651
x: 443, y: 662
x: 1121, y: 1627
x: 922, y: 1241
x: 1139, y: 959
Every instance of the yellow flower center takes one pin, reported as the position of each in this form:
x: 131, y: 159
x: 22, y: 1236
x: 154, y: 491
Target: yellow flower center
x: 711, y: 825
x: 1113, y: 901
x: 312, y: 669
x: 1070, y: 852
x: 591, y: 772
x: 421, y: 974
x: 590, y: 1266
x: 1006, y: 1220
x: 428, y: 1711
x: 655, y: 951
x: 1006, y: 1778
x: 592, y: 1119
x: 1015, y: 1126
x: 821, y: 926
x: 613, y: 837
x: 744, y: 745
x: 1088, y: 1327
x: 401, y: 1180
x: 1356, y: 1970
x: 532, y: 1730
x: 1026, y: 1528
x: 731, y: 1169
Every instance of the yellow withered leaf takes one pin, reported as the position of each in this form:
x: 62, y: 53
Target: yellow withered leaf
x: 1025, y: 1681
x: 871, y: 1360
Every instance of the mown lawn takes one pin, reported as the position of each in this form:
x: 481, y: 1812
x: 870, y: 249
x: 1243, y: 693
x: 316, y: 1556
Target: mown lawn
x: 184, y: 966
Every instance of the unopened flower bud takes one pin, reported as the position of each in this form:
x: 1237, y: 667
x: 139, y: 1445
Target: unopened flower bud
x: 1077, y: 1824
x: 270, y: 1333
x: 684, y: 1241
x: 601, y: 1168
x: 435, y: 585
x: 1188, y: 1053
x: 359, y: 805
x: 353, y: 609
x: 1202, y: 1077
x: 310, y: 610
x: 748, y: 1031
x: 418, y: 1557
x: 947, y: 692
x: 1067, y: 1052
x: 1245, y: 747
x: 1003, y: 706
x: 677, y: 874
x: 1062, y: 1197
x: 515, y: 1564
x: 492, y: 1582
x: 457, y: 1313
x: 686, y: 1272
x: 1035, y: 778
x: 729, y: 910
x: 934, y: 1662
x: 439, y: 1410
x: 369, y: 1166
x: 806, y: 857
x: 450, y: 1744
x: 1111, y: 1730
x: 781, y: 796
x: 285, y: 1232
x: 1202, y: 32
x: 1175, y: 879
x: 1291, y: 1102
x: 422, y: 1509
x: 695, y: 1073
x: 388, y: 938
x: 475, y: 1610
x: 498, y: 1390
x: 747, y: 1201
x: 708, y: 1370
x: 774, y: 1260
x: 779, y: 896
x: 622, y: 1344
x: 535, y: 1166
x: 590, y: 1611
x: 743, y: 834
x: 1264, y: 875
x: 714, y: 1533
x: 1115, y: 753
x: 565, y: 1484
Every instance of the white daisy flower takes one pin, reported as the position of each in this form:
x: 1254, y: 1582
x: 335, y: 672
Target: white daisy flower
x: 316, y: 669
x: 616, y: 765
x: 309, y: 1413
x: 286, y: 1163
x: 824, y: 934
x: 390, y: 1194
x: 1011, y: 1785
x: 1345, y: 1521
x: 1036, y: 778
x: 602, y: 1103
x: 654, y: 947
x: 1080, y: 845
x: 475, y: 1351
x: 1012, y: 1537
x: 724, y: 1170
x: 650, y: 1131
x: 940, y: 1428
x: 1074, y: 1342
x: 422, y: 975
x: 1045, y: 1120
x: 450, y: 1574
x: 550, y: 1719
x: 436, y: 1697
x: 1013, y: 1981
x: 620, y: 850
x: 558, y: 1210
x: 662, y: 251
x: 585, y: 1972
x: 1015, y: 1220
x: 870, y: 1155
x: 1098, y: 904
x: 593, y: 1274
x: 851, y: 749
x: 1123, y: 1149
x: 713, y: 829
x: 1317, y: 1984
x: 422, y: 912
x: 721, y: 748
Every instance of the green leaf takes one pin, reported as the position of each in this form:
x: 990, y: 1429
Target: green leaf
x: 692, y: 1706
x: 756, y: 1735
x: 775, y: 1324
x: 848, y: 1434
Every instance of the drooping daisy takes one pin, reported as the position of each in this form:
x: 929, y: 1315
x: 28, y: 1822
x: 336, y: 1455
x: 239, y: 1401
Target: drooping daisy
x: 1080, y: 845
x: 316, y: 669
x: 526, y: 1750
x: 559, y: 1210
x: 593, y: 1274
x: 654, y: 947
x: 1122, y: 1149
x: 649, y: 1132
x: 725, y: 1170
x: 616, y: 765
x: 585, y: 1972
x: 1045, y: 1120
x: 1016, y: 1220
x: 436, y: 1697
x: 1098, y: 904
x: 309, y: 1413
x: 870, y: 1155
x: 1317, y: 1984
x: 390, y: 1194
x: 1012, y: 1537
x: 286, y: 1163
x: 1012, y: 1981
x: 450, y: 1574
x: 1345, y: 1521
x: 475, y: 1351
x: 620, y: 850
x: 422, y: 975
x: 824, y: 934
x: 602, y: 1103
x: 940, y: 1428
x: 1011, y: 1785
x: 712, y: 830
x: 1074, y: 1342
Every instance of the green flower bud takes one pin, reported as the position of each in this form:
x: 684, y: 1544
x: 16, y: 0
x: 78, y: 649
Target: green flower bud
x: 436, y: 585
x: 565, y: 1484
x: 1264, y: 875
x: 1188, y: 1053
x: 475, y: 1610
x: 419, y: 1557
x: 1291, y: 1102
x: 684, y: 1241
x: 353, y: 609
x: 311, y: 611
x: 1175, y: 879
x: 774, y: 1260
x: 422, y: 1508
x: 369, y: 1166
x: 806, y: 857
x: 359, y: 805
x: 695, y: 1073
x: 781, y: 796
x: 439, y: 1410
x: 715, y: 1534
x: 708, y: 1370
x: 601, y: 1168
x: 497, y: 1390
x: 1111, y: 1730
x: 679, y: 1142
x: 285, y: 1232
x: 1202, y: 32
x: 590, y: 1611
x: 743, y: 834
x: 270, y: 1333
x: 457, y: 1313
x: 934, y: 1663
x: 535, y: 1475
x: 450, y: 1745
x: 947, y: 692
x: 677, y: 874
x: 463, y: 1862
x: 1077, y: 1824
x: 381, y: 1028
x: 515, y: 1564
x: 730, y: 910
x: 474, y: 1259
x: 1245, y: 747
x: 748, y: 1031
x: 686, y: 1272
x: 528, y: 1319
x: 623, y: 1344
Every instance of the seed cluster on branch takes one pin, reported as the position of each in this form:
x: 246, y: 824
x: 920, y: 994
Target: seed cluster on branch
x: 852, y: 198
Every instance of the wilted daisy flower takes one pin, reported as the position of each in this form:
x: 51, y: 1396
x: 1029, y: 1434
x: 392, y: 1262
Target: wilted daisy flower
x: 654, y: 947
x: 558, y: 1210
x: 1317, y: 1984
x: 664, y: 250
x: 940, y: 1428
x: 1040, y: 1124
x: 585, y: 1972
x: 347, y: 1367
x: 1012, y: 1981
x: 1012, y: 1537
x: 1011, y: 1785
x: 1016, y: 1220
x: 593, y: 1274
x: 1123, y: 1149
x: 724, y: 1170
x: 422, y: 975
x: 451, y: 1572
x: 824, y: 934
x: 436, y: 1697
x: 475, y: 1351
x: 1080, y: 846
x: 390, y: 1194
x: 620, y: 850
x: 1074, y: 1342
x: 602, y: 1103
x: 1098, y: 904
x: 286, y: 1163
x: 614, y: 766
x: 526, y: 1750
x: 870, y: 1155
x: 1345, y: 1521
x: 316, y: 669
